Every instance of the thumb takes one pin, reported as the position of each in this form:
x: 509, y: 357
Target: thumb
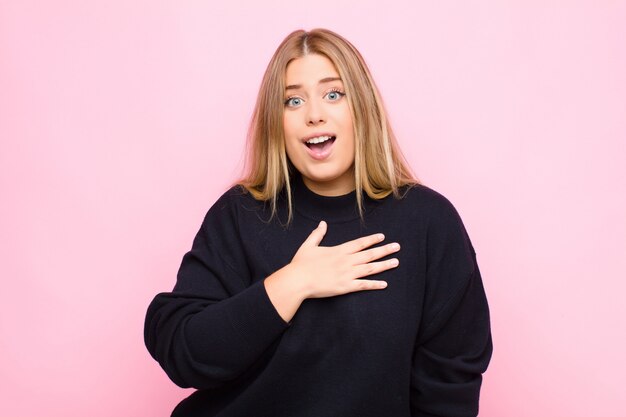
x: 316, y: 235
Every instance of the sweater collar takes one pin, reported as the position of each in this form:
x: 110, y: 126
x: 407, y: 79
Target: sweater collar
x: 320, y: 207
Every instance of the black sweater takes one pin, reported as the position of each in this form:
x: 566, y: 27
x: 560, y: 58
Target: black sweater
x: 416, y: 348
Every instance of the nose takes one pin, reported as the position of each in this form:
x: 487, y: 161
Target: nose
x: 315, y: 114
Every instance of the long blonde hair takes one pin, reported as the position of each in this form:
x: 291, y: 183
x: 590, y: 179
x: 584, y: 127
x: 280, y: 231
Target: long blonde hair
x: 380, y: 167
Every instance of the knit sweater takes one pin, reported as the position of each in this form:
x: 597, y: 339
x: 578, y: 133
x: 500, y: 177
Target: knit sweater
x: 416, y: 348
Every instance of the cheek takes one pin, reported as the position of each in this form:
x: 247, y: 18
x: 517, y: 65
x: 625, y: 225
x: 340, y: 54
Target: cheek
x: 347, y: 132
x: 348, y: 126
x: 286, y: 125
x: 289, y: 128
x: 289, y: 135
x: 346, y: 119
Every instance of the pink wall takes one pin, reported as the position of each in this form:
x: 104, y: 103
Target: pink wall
x: 122, y: 121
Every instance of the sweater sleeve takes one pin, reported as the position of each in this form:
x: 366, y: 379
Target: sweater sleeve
x: 454, y: 344
x: 214, y: 324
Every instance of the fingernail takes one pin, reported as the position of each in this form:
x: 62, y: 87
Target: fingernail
x: 381, y: 237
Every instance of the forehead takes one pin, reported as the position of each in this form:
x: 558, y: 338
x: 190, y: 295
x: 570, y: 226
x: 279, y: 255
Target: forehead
x: 309, y: 69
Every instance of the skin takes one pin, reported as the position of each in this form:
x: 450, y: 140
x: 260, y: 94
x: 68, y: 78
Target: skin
x: 323, y: 271
x: 319, y: 106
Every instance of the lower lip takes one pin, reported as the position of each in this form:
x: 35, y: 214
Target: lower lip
x: 320, y: 156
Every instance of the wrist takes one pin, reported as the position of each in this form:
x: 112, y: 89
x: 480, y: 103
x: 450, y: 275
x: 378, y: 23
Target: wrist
x: 291, y: 283
x: 286, y: 292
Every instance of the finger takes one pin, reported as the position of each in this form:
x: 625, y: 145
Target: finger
x: 361, y: 243
x: 372, y: 254
x: 316, y: 235
x: 367, y: 284
x: 375, y: 267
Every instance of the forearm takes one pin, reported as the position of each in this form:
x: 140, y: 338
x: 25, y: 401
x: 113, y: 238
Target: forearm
x: 286, y: 292
x: 201, y: 343
x: 448, y: 366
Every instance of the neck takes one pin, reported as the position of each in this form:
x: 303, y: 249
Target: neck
x: 343, y: 185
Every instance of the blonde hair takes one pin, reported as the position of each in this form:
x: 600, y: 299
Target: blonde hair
x: 380, y: 167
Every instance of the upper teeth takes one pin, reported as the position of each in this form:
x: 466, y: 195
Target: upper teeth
x: 319, y: 139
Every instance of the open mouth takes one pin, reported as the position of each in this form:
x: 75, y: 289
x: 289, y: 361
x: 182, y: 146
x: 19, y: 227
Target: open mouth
x: 322, y: 146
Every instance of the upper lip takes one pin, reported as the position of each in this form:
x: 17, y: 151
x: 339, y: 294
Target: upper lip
x: 315, y: 135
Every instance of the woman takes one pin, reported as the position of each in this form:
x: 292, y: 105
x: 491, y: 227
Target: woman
x: 288, y: 303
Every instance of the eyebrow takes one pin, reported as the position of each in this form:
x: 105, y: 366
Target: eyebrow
x: 323, y: 80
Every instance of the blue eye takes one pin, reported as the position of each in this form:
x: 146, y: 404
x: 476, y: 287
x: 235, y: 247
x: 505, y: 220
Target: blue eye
x: 335, y: 95
x: 293, y: 101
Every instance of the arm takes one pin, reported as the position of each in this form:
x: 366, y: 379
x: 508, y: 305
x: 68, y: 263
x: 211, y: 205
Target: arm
x: 454, y: 344
x: 213, y: 326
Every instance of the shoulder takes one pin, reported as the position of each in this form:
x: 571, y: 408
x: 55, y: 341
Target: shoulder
x: 224, y: 208
x: 233, y: 198
x: 438, y: 216
x: 426, y: 202
x: 222, y: 224
x: 231, y: 205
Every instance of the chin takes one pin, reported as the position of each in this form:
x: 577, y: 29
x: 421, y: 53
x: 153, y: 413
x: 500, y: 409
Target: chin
x: 323, y: 176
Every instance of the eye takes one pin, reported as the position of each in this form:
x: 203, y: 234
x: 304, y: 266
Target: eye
x: 335, y: 95
x: 293, y: 102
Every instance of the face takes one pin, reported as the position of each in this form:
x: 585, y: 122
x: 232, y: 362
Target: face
x: 316, y: 110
